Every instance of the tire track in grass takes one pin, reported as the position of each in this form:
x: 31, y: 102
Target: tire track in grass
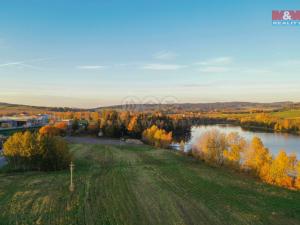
x: 108, y: 191
x: 179, y: 179
x: 173, y: 195
x: 141, y: 186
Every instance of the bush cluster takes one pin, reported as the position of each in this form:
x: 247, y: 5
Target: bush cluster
x: 36, y: 151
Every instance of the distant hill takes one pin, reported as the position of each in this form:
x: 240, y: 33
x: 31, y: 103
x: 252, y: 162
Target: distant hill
x: 7, y: 108
x: 217, y: 106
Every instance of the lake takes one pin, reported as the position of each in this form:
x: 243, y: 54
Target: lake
x: 273, y: 141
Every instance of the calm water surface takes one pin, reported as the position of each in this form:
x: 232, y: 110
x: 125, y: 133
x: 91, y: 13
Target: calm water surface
x: 274, y: 141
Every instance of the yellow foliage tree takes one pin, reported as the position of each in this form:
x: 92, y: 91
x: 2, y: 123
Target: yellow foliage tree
x: 279, y: 170
x: 157, y: 137
x: 36, y: 151
x: 297, y: 183
x: 210, y: 147
x: 258, y: 157
x: 235, y: 147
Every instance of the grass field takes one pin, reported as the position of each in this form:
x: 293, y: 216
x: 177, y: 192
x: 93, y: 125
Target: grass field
x: 290, y: 114
x: 287, y: 114
x: 142, y: 185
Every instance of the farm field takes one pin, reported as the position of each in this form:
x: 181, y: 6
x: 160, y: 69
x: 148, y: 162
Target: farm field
x: 142, y: 185
x: 286, y: 114
x: 290, y: 114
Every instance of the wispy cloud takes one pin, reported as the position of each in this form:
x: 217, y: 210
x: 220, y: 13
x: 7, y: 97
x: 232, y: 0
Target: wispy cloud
x: 26, y: 64
x: 205, y: 84
x: 216, y: 61
x: 157, y: 66
x: 11, y: 64
x: 255, y: 71
x: 165, y: 55
x: 215, y: 65
x: 91, y: 67
x: 214, y: 69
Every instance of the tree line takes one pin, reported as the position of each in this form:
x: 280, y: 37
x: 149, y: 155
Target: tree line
x: 114, y: 123
x: 232, y: 150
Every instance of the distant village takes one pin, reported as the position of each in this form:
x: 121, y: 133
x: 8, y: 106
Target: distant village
x: 23, y: 121
x: 8, y: 123
x: 11, y: 124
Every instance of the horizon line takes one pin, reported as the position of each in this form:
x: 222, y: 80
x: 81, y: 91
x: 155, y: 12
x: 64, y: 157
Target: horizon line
x: 178, y: 103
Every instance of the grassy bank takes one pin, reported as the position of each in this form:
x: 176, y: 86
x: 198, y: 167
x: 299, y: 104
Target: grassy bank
x: 141, y: 185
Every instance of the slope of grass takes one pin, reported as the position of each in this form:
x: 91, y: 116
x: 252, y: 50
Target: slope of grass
x: 142, y: 185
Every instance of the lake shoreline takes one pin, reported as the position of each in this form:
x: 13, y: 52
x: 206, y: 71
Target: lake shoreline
x: 274, y: 141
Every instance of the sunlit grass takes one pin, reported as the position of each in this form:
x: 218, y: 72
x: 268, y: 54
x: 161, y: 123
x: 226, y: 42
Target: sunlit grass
x: 142, y: 185
x: 289, y: 114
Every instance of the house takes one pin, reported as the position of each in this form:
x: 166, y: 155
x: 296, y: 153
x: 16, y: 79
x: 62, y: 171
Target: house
x: 23, y: 121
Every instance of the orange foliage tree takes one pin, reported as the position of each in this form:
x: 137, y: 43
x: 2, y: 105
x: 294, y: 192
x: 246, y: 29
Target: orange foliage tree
x: 49, y: 130
x: 157, y: 137
x: 297, y: 183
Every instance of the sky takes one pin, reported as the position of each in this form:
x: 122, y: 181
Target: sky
x: 98, y: 53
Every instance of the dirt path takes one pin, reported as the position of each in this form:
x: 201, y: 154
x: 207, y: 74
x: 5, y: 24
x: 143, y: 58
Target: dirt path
x: 96, y: 140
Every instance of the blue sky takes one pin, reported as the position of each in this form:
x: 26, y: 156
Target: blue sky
x: 95, y: 53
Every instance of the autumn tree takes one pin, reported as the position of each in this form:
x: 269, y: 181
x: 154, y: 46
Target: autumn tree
x: 31, y: 151
x: 134, y: 127
x: 235, y: 147
x: 210, y: 147
x: 258, y: 158
x: 279, y: 170
x: 17, y: 148
x: 49, y: 130
x: 297, y: 183
x: 95, y: 116
x: 62, y: 126
x: 157, y: 137
x: 54, y: 153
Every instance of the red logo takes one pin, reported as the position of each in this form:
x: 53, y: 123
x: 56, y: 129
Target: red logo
x: 286, y: 15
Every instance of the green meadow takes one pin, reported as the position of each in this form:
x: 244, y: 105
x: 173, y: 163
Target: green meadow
x: 289, y: 114
x: 142, y: 185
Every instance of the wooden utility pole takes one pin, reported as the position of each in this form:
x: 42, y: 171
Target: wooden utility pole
x: 71, y: 182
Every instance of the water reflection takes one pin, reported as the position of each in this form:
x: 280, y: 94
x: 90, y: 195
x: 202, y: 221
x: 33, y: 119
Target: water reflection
x: 274, y: 141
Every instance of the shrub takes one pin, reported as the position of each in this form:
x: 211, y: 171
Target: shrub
x: 31, y: 151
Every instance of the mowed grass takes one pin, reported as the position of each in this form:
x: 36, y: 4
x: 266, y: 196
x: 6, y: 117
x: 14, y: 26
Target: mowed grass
x: 142, y: 185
